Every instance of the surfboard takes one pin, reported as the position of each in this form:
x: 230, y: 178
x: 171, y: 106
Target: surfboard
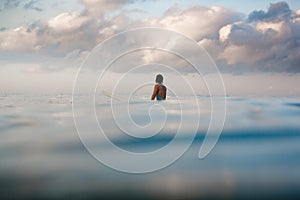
x: 110, y: 95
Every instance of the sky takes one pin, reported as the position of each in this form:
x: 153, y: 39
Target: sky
x: 255, y: 44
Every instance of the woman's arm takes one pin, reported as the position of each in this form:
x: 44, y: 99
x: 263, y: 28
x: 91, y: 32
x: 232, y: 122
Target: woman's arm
x: 154, y: 92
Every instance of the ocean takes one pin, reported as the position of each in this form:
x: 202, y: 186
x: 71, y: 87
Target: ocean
x: 44, y: 155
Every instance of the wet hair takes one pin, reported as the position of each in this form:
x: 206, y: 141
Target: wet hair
x: 159, y: 78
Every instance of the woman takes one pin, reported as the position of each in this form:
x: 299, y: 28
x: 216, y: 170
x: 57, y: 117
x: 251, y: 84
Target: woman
x: 160, y: 91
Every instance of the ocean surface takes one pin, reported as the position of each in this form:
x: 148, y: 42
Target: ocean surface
x: 42, y: 156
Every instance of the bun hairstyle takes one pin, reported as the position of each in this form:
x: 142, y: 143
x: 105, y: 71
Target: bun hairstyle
x: 159, y: 78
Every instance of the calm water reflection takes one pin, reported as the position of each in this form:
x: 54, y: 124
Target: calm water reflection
x: 258, y: 153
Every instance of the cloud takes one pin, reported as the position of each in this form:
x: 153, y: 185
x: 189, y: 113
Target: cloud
x: 58, y: 36
x: 99, y: 7
x: 61, y: 34
x: 8, y: 4
x: 270, y: 43
x: 276, y: 12
x: 19, y: 39
x: 65, y: 32
x: 31, y: 5
x: 264, y: 41
x: 197, y: 22
x: 11, y: 4
x: 67, y: 22
x: 267, y: 41
x: 105, y: 4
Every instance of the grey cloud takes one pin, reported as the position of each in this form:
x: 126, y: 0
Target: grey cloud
x: 8, y: 4
x: 276, y: 12
x: 31, y: 5
x: 243, y: 34
x: 256, y: 15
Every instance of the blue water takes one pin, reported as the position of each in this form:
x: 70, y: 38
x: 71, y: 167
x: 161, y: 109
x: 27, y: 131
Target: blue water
x: 257, y: 155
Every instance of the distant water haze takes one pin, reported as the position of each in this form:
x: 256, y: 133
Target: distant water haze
x: 247, y: 85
